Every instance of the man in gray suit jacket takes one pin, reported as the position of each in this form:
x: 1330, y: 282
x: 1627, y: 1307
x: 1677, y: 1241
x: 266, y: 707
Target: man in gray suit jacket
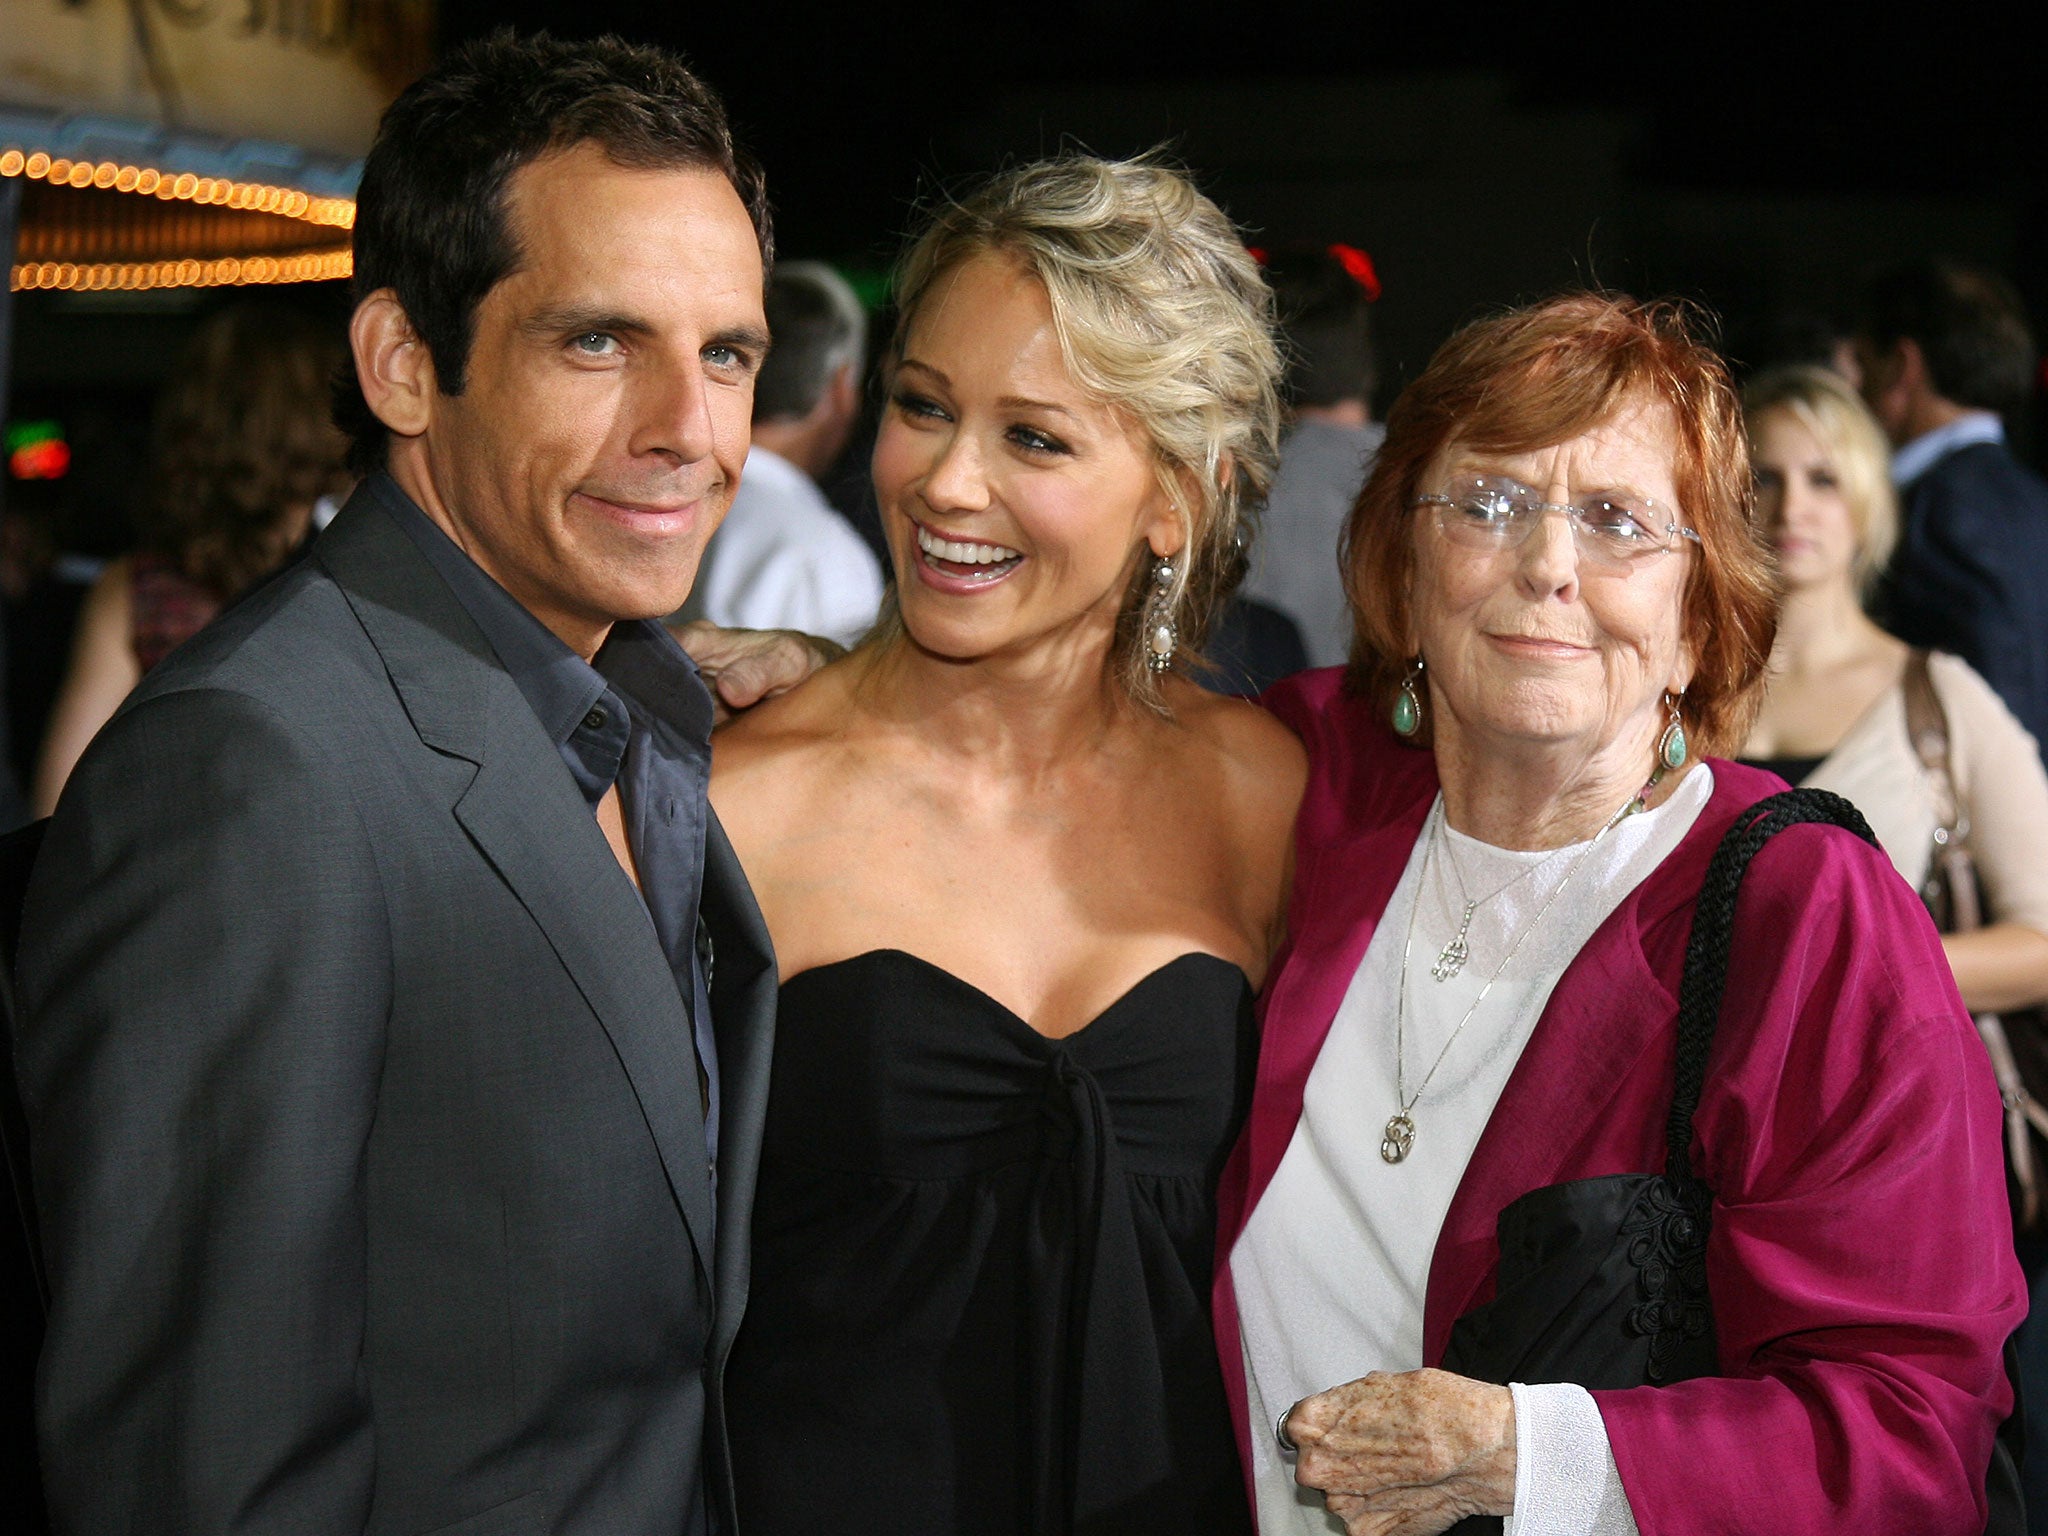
x: 396, y: 1018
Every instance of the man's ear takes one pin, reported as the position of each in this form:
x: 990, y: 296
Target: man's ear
x: 1908, y: 365
x: 846, y: 384
x: 393, y: 366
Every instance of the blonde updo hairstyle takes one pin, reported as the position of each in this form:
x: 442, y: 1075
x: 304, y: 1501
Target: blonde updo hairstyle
x: 1161, y: 314
x: 1827, y: 405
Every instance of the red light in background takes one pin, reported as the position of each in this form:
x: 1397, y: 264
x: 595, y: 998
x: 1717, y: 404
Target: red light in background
x: 49, y: 459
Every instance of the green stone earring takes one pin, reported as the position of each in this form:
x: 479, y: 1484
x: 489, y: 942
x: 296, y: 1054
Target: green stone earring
x: 1408, y: 703
x: 1672, y: 750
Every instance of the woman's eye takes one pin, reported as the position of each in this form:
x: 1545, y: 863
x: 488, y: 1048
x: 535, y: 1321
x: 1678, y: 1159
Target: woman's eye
x: 1617, y: 521
x: 917, y: 407
x: 1769, y: 480
x: 1822, y: 479
x: 1035, y: 441
x: 1491, y: 511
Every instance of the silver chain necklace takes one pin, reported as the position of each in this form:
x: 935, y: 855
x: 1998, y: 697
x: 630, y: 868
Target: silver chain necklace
x: 1399, y: 1137
x: 1452, y: 957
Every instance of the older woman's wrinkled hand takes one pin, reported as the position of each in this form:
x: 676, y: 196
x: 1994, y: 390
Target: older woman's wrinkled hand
x: 1407, y: 1453
x: 745, y: 666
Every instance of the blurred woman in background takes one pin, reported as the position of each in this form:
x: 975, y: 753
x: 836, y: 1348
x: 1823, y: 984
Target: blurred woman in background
x: 242, y: 447
x: 1836, y: 714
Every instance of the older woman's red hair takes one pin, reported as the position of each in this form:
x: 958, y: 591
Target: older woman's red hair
x: 1519, y: 381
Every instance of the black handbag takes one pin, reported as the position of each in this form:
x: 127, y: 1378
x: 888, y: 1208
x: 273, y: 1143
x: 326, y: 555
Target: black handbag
x: 1603, y: 1281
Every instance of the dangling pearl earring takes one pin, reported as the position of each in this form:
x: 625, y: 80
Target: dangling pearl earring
x: 1672, y: 749
x: 1408, y: 703
x: 1162, y: 634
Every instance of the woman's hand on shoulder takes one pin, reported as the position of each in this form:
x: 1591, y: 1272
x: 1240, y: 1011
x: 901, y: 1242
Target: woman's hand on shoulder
x: 1407, y: 1453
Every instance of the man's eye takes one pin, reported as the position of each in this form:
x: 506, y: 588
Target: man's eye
x: 595, y: 344
x: 727, y: 358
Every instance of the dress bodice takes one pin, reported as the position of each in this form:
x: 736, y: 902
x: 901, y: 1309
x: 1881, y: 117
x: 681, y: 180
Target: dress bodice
x: 982, y: 1258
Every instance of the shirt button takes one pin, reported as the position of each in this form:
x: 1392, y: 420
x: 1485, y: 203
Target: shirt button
x: 594, y: 721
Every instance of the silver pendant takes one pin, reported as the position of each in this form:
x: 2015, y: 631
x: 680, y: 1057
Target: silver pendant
x: 1452, y: 957
x: 1398, y: 1138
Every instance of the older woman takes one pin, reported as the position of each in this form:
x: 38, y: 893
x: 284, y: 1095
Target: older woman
x: 1561, y: 605
x: 1023, y: 879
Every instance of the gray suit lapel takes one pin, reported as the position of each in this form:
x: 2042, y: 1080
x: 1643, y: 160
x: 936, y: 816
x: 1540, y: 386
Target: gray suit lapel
x: 525, y: 814
x: 535, y: 828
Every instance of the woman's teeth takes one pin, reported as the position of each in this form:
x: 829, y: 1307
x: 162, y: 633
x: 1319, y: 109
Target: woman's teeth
x: 963, y: 554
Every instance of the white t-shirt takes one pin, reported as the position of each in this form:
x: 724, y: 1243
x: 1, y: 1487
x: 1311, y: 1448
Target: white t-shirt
x: 784, y: 559
x: 1332, y: 1267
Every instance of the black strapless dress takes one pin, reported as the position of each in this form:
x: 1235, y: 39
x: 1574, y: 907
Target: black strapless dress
x: 980, y: 1296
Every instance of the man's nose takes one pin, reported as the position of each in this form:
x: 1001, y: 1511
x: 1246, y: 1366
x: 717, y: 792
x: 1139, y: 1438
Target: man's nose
x: 673, y: 415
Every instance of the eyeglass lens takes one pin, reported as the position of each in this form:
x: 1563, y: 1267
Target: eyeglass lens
x: 1489, y: 510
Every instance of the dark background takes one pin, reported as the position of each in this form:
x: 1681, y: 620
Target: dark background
x: 1759, y: 159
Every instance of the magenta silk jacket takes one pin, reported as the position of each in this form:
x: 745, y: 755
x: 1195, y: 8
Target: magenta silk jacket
x: 1861, y: 1262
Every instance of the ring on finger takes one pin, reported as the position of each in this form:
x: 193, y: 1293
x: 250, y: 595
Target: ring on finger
x: 1280, y: 1434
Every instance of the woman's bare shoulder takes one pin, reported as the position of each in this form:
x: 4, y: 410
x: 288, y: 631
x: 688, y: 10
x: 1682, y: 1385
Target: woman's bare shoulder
x: 1256, y: 754
x: 784, y: 733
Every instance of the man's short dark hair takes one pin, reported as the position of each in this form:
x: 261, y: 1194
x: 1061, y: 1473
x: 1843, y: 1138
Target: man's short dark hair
x: 1324, y: 314
x: 819, y: 328
x: 431, y: 222
x: 1969, y: 325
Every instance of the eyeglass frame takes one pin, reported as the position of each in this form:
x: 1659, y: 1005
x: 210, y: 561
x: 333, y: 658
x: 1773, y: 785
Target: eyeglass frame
x: 1573, y: 515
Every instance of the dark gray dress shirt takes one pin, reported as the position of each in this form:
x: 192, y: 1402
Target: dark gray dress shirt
x: 640, y: 718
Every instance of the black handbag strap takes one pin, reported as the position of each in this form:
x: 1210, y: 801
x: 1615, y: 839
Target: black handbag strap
x: 1706, y: 953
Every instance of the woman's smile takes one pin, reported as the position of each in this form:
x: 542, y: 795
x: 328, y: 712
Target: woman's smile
x: 961, y: 565
x: 1540, y: 648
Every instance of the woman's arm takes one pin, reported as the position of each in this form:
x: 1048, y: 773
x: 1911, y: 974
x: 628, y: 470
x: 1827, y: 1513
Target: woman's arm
x: 103, y: 672
x: 1999, y: 777
x: 1860, y: 1261
x: 2000, y: 967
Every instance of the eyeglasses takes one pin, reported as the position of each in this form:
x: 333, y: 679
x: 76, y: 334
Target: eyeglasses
x: 1613, y: 530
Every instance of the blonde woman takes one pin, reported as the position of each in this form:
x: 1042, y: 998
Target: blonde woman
x: 1836, y: 712
x: 1024, y: 879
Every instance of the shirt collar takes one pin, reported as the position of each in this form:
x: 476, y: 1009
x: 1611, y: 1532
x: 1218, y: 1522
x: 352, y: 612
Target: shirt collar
x: 1926, y: 450
x: 560, y: 686
x: 582, y: 714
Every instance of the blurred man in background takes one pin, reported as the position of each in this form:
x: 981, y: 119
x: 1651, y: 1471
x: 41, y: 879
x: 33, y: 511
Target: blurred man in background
x: 784, y: 558
x: 1946, y: 352
x: 1323, y: 296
